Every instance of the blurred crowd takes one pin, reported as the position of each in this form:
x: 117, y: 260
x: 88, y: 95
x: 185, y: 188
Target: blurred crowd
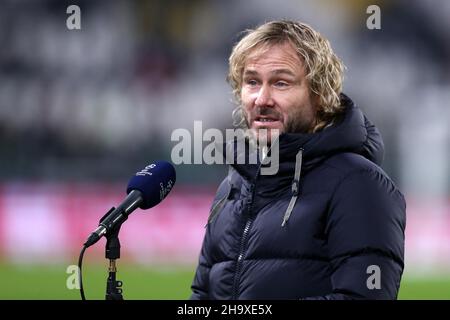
x: 98, y: 103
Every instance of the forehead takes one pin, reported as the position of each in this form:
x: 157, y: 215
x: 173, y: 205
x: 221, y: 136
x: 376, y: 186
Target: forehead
x: 274, y: 56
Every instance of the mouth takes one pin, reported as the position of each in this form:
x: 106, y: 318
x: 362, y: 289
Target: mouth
x: 261, y: 119
x: 266, y: 121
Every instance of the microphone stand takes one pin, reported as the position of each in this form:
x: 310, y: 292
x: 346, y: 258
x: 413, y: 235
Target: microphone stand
x: 112, y: 252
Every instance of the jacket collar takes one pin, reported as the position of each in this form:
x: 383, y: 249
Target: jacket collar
x: 352, y: 132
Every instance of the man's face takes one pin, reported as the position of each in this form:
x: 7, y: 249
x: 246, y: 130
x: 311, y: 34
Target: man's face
x: 275, y: 92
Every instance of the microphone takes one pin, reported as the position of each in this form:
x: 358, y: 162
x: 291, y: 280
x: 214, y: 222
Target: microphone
x: 146, y: 189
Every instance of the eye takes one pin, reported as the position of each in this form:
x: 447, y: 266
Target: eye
x: 281, y: 84
x: 251, y: 82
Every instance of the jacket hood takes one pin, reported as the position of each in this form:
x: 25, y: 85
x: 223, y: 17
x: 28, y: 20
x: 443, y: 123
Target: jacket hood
x: 351, y: 132
x: 299, y: 153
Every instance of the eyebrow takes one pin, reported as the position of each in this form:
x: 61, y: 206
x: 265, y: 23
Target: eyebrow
x: 274, y: 72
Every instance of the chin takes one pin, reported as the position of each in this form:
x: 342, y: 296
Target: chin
x: 266, y: 137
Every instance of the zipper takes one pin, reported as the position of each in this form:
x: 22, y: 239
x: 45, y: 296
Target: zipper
x: 240, y: 258
x: 242, y: 247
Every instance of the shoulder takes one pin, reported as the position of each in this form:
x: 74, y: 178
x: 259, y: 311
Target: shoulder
x: 357, y: 174
x: 347, y: 163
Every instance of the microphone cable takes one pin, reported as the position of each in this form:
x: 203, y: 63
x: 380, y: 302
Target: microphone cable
x: 80, y: 279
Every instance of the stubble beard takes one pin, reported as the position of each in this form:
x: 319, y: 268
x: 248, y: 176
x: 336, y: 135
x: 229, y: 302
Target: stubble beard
x: 295, y: 122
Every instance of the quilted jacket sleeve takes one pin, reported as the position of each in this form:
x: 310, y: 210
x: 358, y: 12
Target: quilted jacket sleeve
x: 365, y: 229
x: 200, y: 284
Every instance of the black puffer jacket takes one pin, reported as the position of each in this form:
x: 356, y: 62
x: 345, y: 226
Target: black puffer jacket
x: 347, y: 220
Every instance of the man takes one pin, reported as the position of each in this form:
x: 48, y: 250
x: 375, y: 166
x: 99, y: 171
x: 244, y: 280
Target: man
x: 330, y: 223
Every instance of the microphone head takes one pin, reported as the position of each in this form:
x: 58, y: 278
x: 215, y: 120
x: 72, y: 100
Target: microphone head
x: 154, y: 182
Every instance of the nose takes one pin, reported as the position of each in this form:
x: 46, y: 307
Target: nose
x: 264, y: 97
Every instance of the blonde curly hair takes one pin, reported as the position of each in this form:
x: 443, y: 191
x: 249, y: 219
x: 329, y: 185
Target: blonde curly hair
x: 324, y: 70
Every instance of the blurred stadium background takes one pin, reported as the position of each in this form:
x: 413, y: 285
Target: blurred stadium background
x: 82, y: 110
